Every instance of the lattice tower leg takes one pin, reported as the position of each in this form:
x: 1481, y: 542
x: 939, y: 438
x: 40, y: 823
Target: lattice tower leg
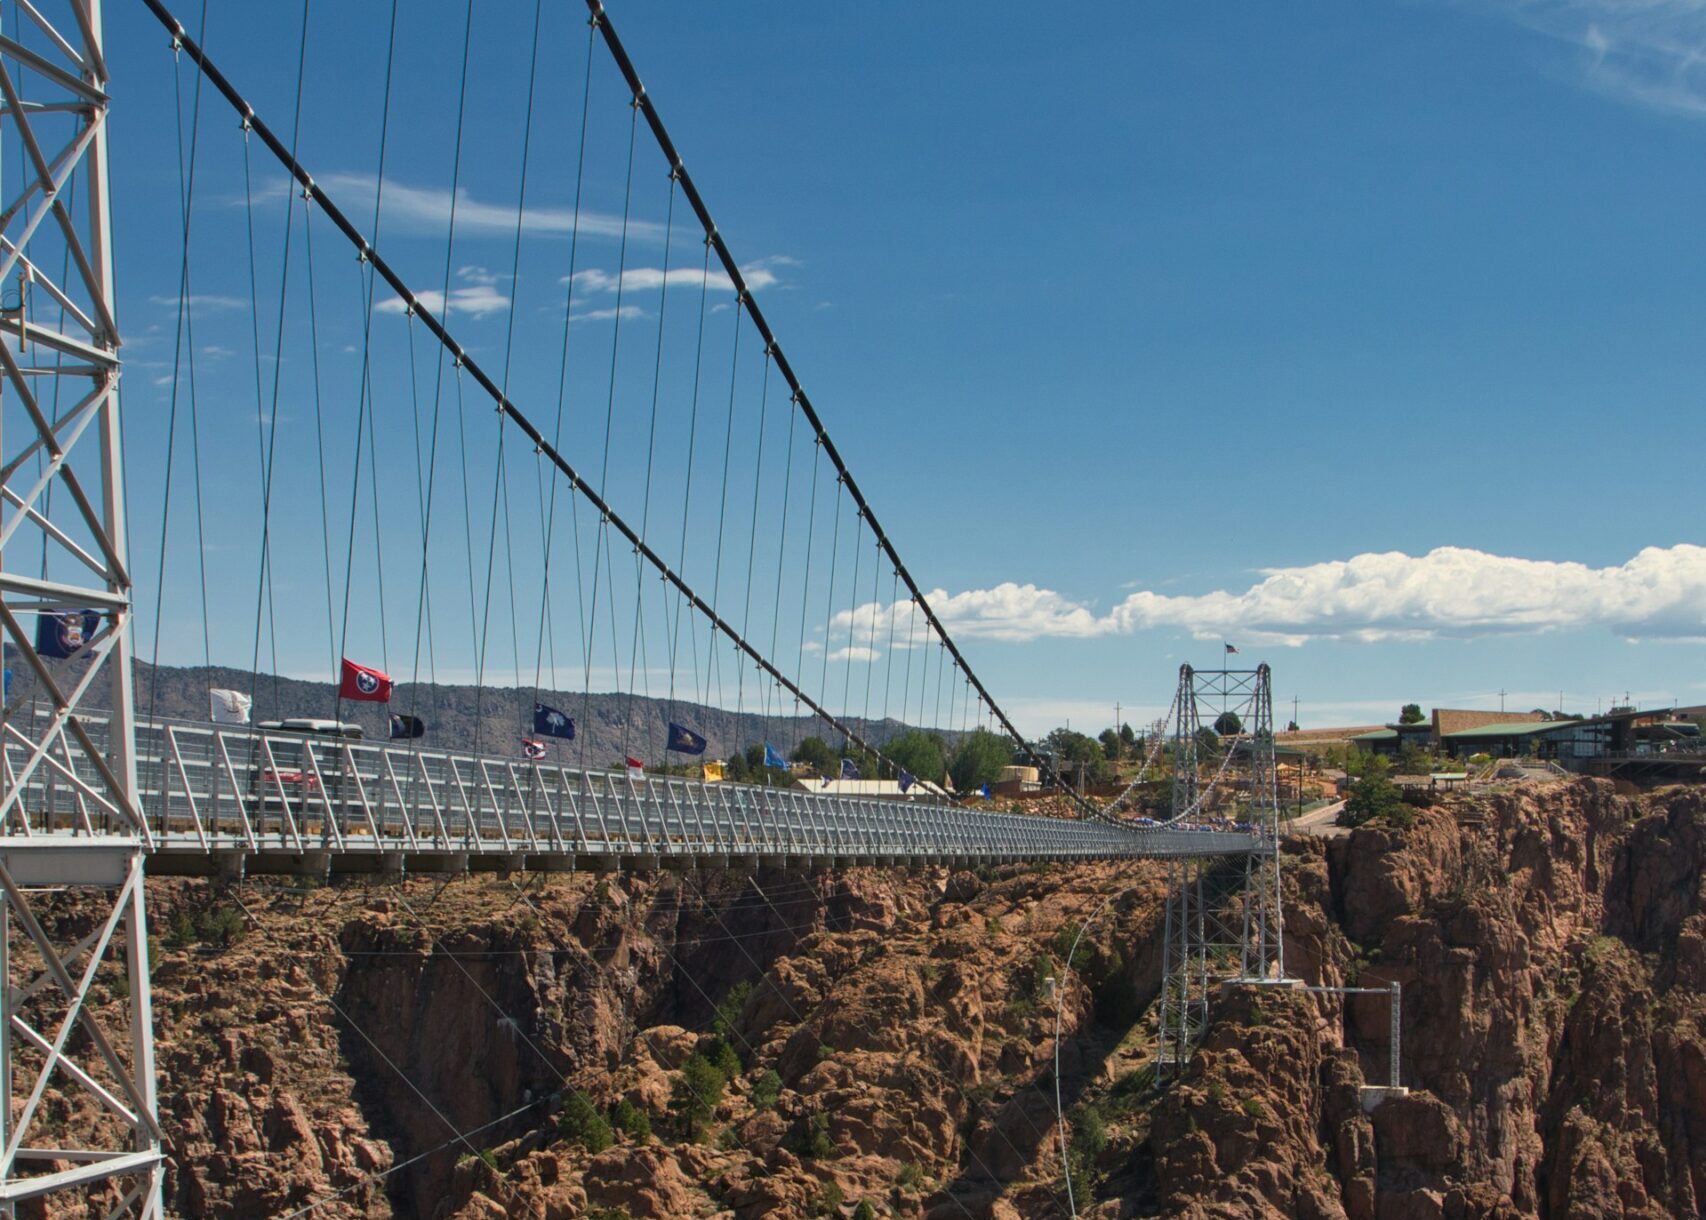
x: 69, y: 821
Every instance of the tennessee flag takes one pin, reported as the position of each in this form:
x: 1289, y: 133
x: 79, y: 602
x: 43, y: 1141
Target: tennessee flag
x: 364, y: 683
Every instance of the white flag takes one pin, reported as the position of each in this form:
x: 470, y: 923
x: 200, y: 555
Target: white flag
x: 228, y: 707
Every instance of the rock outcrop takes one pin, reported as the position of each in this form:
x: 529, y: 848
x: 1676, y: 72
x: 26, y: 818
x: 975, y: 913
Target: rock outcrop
x: 672, y: 1045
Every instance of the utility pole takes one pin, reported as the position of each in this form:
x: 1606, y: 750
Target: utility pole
x: 1501, y: 698
x: 1294, y: 709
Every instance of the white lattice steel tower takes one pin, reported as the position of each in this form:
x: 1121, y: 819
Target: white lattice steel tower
x: 65, y: 610
x: 1223, y: 917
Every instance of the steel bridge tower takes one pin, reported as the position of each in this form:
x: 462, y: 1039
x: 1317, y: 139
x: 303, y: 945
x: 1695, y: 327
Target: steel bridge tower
x: 1223, y: 916
x: 65, y: 611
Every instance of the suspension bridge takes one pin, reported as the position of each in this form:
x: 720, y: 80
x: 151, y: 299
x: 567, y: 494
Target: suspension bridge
x: 596, y: 467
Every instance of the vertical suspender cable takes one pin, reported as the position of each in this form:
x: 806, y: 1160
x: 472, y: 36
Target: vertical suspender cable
x: 602, y: 20
x: 609, y: 518
x: 600, y: 539
x: 549, y: 503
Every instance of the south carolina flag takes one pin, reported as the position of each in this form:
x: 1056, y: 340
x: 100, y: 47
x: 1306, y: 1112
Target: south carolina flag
x: 364, y: 684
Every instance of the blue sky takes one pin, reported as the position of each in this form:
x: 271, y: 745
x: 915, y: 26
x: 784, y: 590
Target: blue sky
x: 1364, y: 337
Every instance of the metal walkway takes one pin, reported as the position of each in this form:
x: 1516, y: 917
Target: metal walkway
x: 231, y: 799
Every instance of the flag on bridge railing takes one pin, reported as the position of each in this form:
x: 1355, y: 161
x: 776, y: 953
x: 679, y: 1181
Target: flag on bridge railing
x: 532, y: 750
x: 984, y: 792
x: 549, y: 722
x: 636, y: 768
x: 684, y: 740
x: 228, y: 706
x: 364, y: 684
x: 906, y: 780
x: 713, y: 772
x: 773, y: 757
x: 60, y: 633
x: 407, y: 727
x: 1230, y: 650
x: 848, y: 770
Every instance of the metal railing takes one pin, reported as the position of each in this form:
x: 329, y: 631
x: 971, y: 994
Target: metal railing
x: 208, y: 789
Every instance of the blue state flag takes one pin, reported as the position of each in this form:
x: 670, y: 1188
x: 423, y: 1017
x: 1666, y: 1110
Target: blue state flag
x: 848, y: 770
x: 60, y: 633
x: 549, y: 722
x: 906, y: 779
x: 984, y: 792
x: 772, y: 758
x: 684, y: 740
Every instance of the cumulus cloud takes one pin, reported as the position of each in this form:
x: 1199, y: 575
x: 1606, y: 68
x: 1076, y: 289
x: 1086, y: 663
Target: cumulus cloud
x: 1648, y: 53
x: 476, y: 294
x: 1660, y: 593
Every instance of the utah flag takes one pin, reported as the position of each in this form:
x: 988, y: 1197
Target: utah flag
x: 364, y: 683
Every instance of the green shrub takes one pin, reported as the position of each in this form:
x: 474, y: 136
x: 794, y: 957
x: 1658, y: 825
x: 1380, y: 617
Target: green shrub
x: 766, y: 1090
x: 1089, y: 1138
x: 1253, y: 1107
x: 1063, y: 939
x: 631, y: 1121
x: 815, y: 1145
x: 221, y: 926
x: 1042, y: 970
x: 727, y: 1019
x: 910, y: 1177
x: 864, y: 1211
x: 582, y: 1124
x: 1373, y: 796
x: 829, y: 1198
x: 725, y: 1058
x: 694, y: 1095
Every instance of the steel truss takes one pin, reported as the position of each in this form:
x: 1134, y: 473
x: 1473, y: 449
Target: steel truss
x: 64, y: 581
x: 1223, y: 916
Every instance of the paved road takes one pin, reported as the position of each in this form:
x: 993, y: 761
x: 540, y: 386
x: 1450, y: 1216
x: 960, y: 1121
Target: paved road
x: 1321, y: 822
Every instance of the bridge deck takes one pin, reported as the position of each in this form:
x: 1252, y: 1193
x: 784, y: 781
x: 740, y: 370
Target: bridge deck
x: 228, y: 798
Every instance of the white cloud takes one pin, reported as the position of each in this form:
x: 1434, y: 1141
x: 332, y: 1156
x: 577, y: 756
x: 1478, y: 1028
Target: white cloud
x: 758, y: 275
x: 856, y: 652
x: 1649, y: 53
x: 1450, y: 591
x: 476, y: 296
x: 206, y: 302
x: 605, y: 315
x: 426, y: 209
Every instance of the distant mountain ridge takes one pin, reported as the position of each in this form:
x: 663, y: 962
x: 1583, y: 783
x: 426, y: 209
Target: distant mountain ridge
x: 463, y: 717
